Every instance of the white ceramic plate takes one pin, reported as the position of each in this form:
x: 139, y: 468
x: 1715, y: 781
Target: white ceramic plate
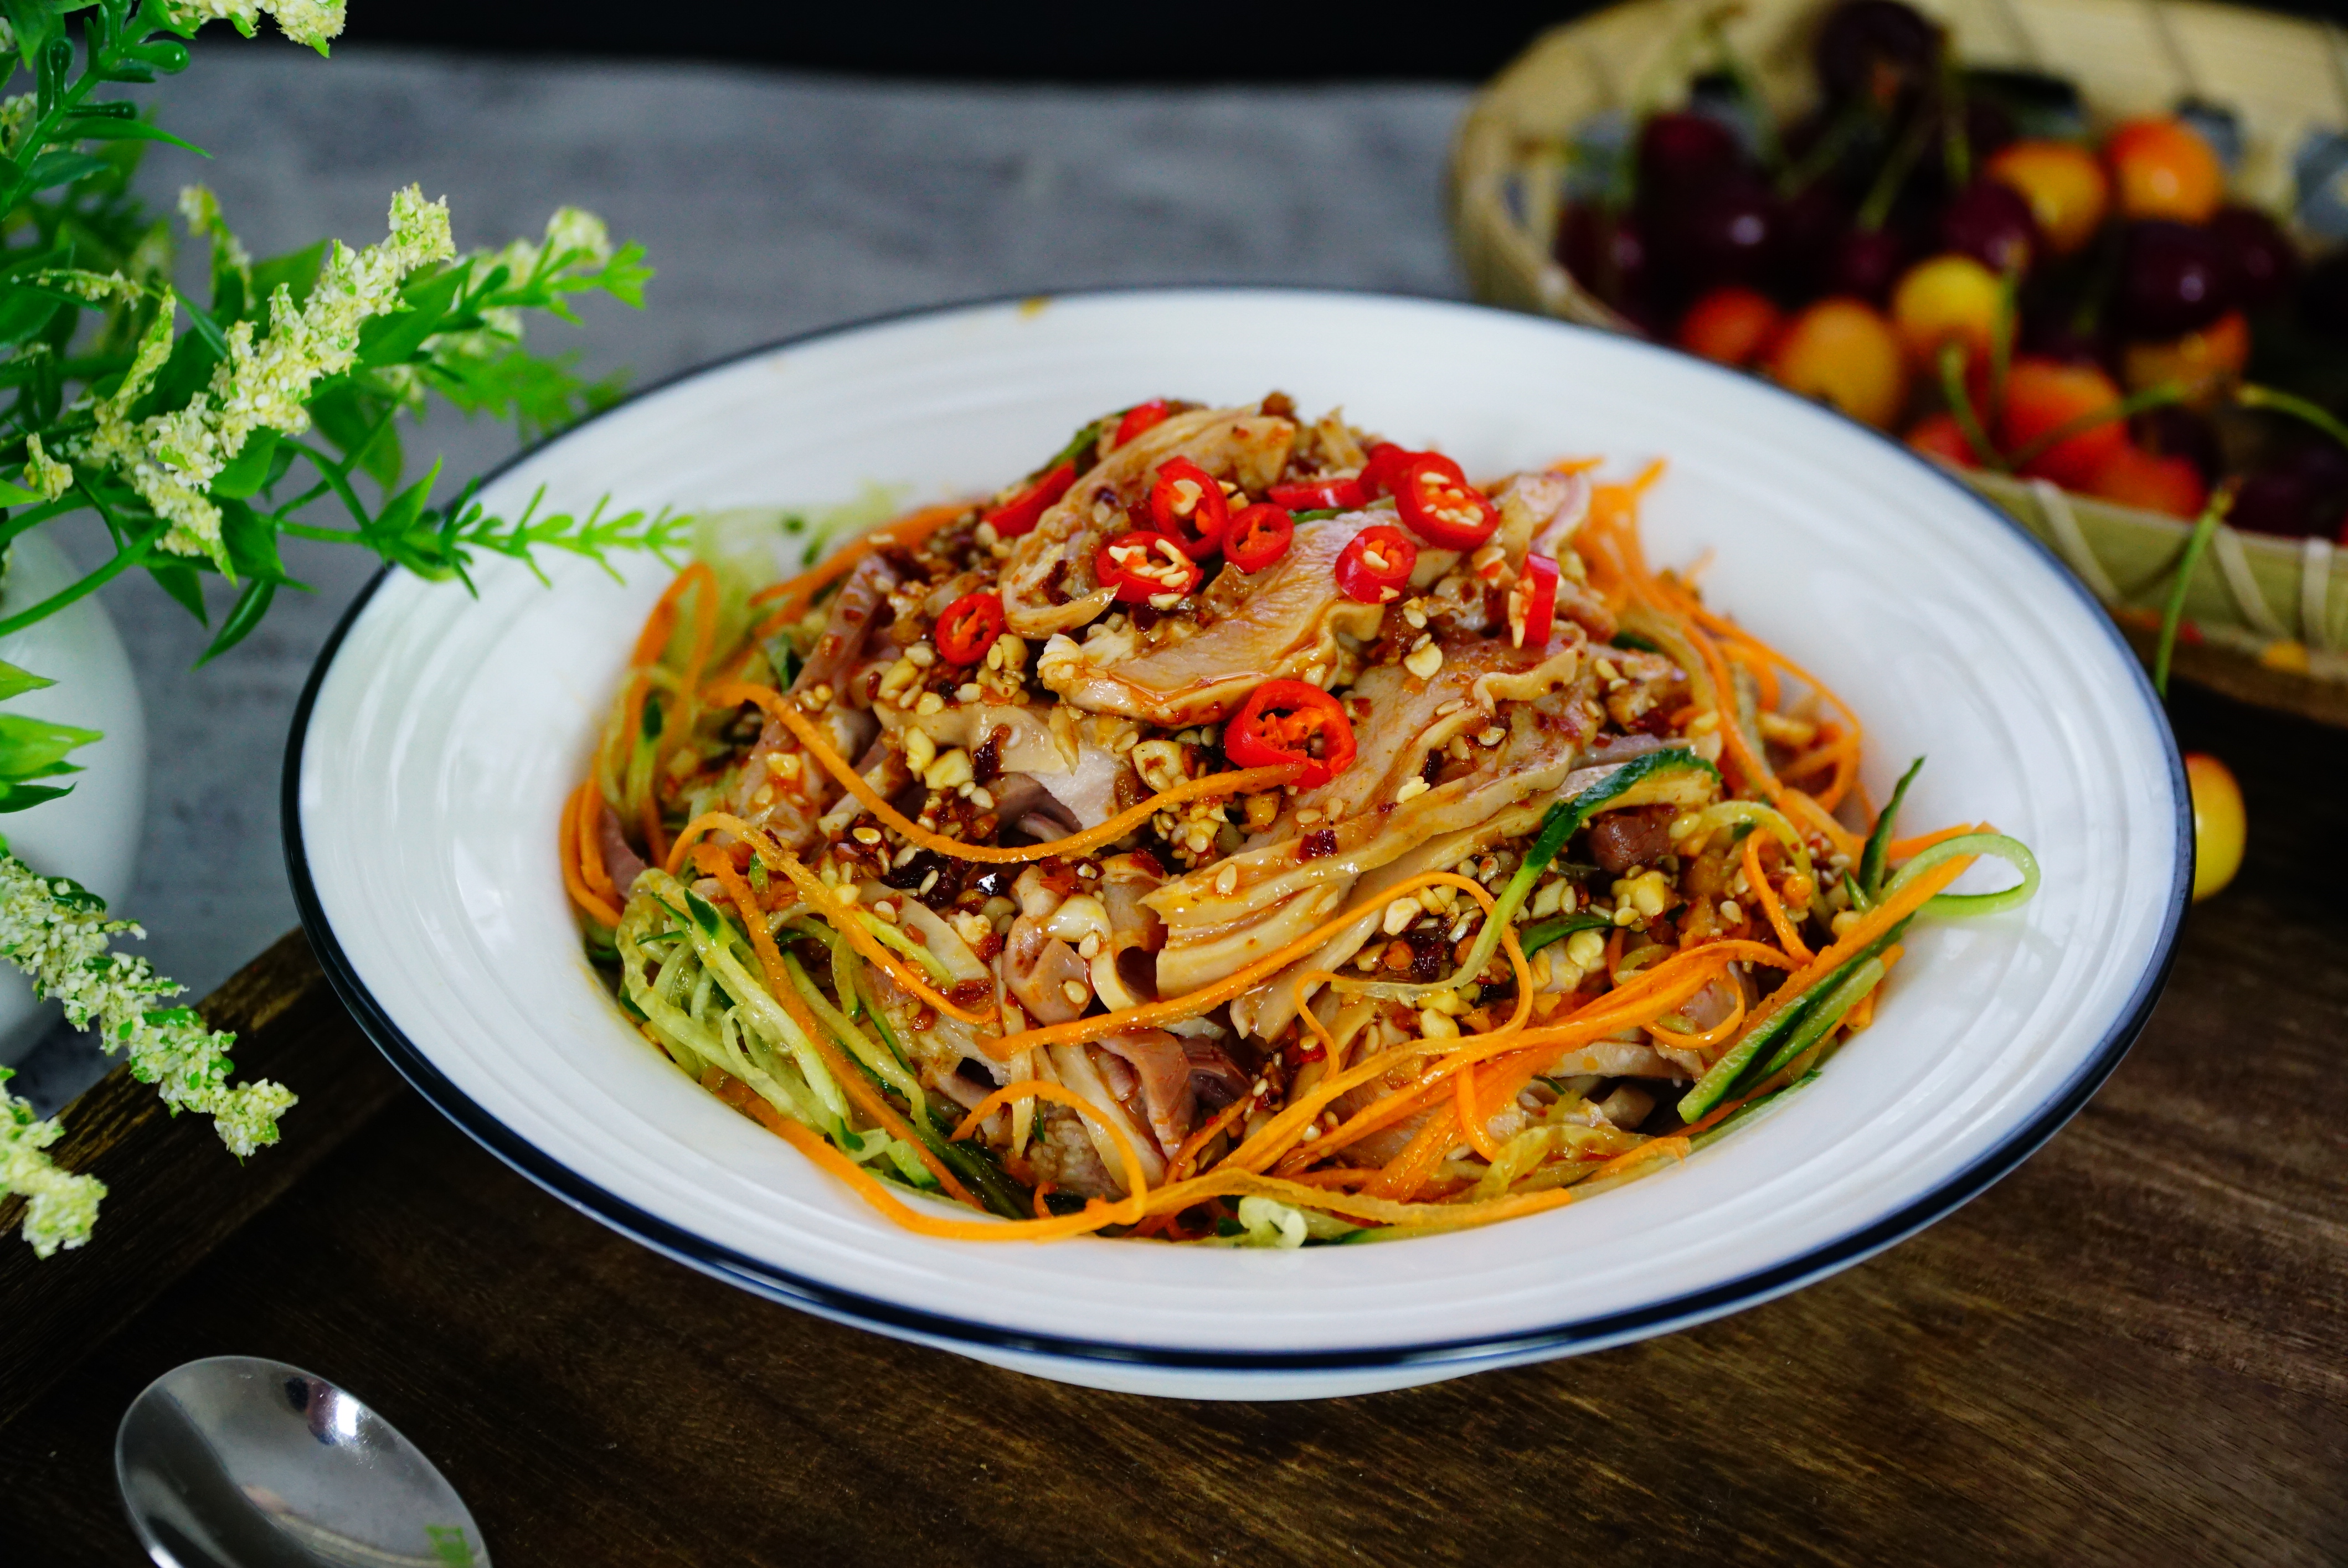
x: 440, y: 731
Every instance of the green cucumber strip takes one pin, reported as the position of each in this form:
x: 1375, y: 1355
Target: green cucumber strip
x: 2012, y: 851
x: 1714, y: 1133
x: 1828, y: 1013
x: 1557, y: 929
x: 1878, y: 842
x: 1719, y: 1083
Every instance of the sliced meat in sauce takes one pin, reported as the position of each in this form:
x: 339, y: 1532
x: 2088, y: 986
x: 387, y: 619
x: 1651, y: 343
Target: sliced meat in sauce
x: 1638, y: 836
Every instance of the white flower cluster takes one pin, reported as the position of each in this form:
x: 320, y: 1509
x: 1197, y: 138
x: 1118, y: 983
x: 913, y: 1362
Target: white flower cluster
x: 58, y: 934
x: 172, y: 459
x: 59, y: 1207
x: 311, y: 22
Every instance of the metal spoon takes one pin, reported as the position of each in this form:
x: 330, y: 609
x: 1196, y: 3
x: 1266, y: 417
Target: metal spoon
x: 240, y: 1463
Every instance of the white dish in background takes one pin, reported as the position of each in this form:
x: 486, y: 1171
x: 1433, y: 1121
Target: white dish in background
x: 432, y: 752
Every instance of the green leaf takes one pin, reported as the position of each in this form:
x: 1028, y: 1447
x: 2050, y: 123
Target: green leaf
x: 14, y: 682
x: 394, y: 339
x: 17, y: 796
x: 59, y: 167
x: 24, y: 312
x: 248, y: 471
x: 402, y: 512
x: 184, y: 585
x: 252, y: 543
x: 251, y: 606
x: 34, y: 748
x: 13, y: 494
x: 126, y: 130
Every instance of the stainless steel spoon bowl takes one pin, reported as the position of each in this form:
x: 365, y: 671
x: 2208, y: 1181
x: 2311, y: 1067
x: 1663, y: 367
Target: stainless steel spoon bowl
x: 241, y: 1462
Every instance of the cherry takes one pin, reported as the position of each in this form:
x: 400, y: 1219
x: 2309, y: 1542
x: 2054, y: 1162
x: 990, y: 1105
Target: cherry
x: 1991, y: 222
x: 2296, y: 495
x: 1606, y: 251
x: 2173, y: 278
x: 2259, y: 255
x: 1879, y: 49
x: 1724, y: 233
x: 2277, y: 501
x: 1866, y: 262
x: 1683, y: 151
x: 1810, y: 225
x: 2170, y: 431
x: 2323, y: 295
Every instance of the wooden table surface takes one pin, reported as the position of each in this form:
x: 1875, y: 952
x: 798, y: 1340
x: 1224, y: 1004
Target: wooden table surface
x: 2134, y: 1350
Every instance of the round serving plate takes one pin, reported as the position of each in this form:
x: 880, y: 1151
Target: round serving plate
x: 440, y: 731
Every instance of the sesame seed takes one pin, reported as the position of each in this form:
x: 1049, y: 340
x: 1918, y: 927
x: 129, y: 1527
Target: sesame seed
x: 1075, y: 991
x: 1411, y: 789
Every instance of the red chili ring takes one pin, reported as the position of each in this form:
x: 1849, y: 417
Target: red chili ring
x: 1278, y: 723
x: 1375, y: 566
x: 1441, y: 506
x: 968, y: 627
x: 1145, y: 571
x: 1259, y: 536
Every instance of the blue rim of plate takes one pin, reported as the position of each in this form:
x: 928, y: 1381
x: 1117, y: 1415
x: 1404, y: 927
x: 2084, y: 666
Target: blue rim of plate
x: 764, y: 1279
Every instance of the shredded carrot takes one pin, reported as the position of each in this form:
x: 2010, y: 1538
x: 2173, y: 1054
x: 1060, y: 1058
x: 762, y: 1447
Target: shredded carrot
x: 589, y: 815
x: 1787, y: 937
x: 1407, y: 1172
x: 1044, y: 1190
x: 576, y: 886
x: 1245, y: 780
x: 1470, y: 1114
x: 1909, y: 848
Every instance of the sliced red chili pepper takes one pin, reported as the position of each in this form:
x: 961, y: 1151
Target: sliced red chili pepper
x: 1259, y: 536
x: 1319, y: 495
x: 1532, y: 603
x: 1143, y: 566
x: 1441, y: 506
x: 1141, y: 416
x: 1186, y: 504
x: 968, y: 627
x: 1384, y: 470
x: 1025, y: 511
x: 1375, y: 566
x: 1290, y: 722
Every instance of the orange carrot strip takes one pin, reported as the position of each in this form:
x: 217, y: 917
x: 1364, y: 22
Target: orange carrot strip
x: 567, y: 837
x: 1407, y: 1172
x: 661, y: 624
x: 588, y: 825
x: 1909, y: 848
x: 1865, y: 929
x: 1116, y: 828
x: 778, y: 981
x: 1469, y: 1114
x: 1787, y: 937
x: 1706, y: 1039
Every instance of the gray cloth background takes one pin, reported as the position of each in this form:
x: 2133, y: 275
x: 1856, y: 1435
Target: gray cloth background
x: 771, y: 205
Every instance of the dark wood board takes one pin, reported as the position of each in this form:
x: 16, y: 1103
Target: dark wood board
x: 2134, y: 1350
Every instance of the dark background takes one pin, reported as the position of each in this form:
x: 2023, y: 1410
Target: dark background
x: 1065, y: 41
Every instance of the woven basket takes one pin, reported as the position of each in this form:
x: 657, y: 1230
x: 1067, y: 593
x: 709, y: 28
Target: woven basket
x: 2267, y: 618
